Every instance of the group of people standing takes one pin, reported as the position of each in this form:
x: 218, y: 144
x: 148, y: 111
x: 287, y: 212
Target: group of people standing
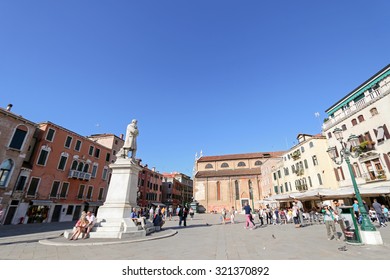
x: 328, y: 215
x: 158, y: 215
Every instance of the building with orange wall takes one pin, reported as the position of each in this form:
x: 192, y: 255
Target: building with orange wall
x: 177, y: 189
x: 70, y: 174
x: 149, y: 187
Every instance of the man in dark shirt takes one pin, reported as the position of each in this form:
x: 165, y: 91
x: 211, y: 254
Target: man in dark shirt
x: 378, y: 209
x: 248, y: 215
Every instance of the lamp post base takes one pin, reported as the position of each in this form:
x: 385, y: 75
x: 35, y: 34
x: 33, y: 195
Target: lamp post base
x: 371, y: 237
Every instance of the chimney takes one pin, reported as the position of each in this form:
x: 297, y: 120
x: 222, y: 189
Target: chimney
x: 154, y: 169
x: 9, y: 106
x: 121, y: 136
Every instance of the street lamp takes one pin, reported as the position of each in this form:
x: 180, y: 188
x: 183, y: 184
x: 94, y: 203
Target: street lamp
x: 346, y: 153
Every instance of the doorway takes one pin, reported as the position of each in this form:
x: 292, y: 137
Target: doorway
x: 56, y: 213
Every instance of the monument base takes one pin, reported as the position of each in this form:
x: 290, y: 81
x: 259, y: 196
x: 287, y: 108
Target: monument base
x: 117, y: 229
x: 113, y: 218
x: 371, y: 237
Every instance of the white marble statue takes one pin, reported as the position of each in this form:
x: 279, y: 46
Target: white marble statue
x: 130, y: 140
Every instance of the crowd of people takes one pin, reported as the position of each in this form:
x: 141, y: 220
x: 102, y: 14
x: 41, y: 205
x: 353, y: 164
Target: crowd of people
x: 327, y: 214
x: 330, y: 215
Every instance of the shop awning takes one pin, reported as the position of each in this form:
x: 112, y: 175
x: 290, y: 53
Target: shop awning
x: 95, y: 203
x: 158, y: 204
x: 325, y: 194
x: 42, y: 202
x: 281, y: 197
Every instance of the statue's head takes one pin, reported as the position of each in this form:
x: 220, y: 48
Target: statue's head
x: 134, y: 121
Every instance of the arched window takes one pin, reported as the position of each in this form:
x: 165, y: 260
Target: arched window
x: 18, y: 138
x: 310, y: 184
x: 319, y: 179
x: 94, y: 170
x: 258, y: 163
x: 297, y: 185
x: 218, y: 190
x: 237, y: 189
x: 374, y: 111
x: 224, y: 165
x: 62, y: 162
x: 105, y: 172
x: 209, y: 166
x: 241, y: 164
x: 354, y: 122
x: 250, y: 189
x: 86, y: 168
x: 5, y: 171
x: 361, y: 118
x: 357, y: 170
x: 74, y: 165
x: 43, y: 155
x: 80, y: 167
x: 304, y: 184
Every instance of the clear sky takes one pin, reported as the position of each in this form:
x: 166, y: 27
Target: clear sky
x: 222, y: 76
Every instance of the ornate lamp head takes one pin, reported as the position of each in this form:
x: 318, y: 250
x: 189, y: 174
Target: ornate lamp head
x: 332, y: 153
x: 338, y: 133
x: 354, y: 141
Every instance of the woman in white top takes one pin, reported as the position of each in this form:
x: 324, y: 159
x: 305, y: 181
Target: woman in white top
x: 329, y: 219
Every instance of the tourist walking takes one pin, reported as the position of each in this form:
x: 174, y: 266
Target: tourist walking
x: 191, y: 212
x: 261, y: 216
x: 339, y: 218
x: 183, y: 212
x: 248, y: 210
x: 385, y: 211
x: 232, y: 215
x: 295, y: 215
x: 378, y: 210
x: 329, y: 218
x: 170, y: 211
x: 223, y: 216
x: 355, y: 206
x: 300, y: 212
x: 151, y: 214
x: 269, y: 216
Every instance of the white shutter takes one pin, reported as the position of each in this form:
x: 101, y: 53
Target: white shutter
x: 381, y: 133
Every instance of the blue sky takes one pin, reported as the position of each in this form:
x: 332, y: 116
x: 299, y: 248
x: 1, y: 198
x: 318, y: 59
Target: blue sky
x: 220, y: 76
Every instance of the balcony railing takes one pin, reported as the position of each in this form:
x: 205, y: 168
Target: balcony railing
x: 73, y: 174
x: 375, y: 176
x: 296, y: 155
x: 370, y: 97
x: 300, y: 171
x: 79, y: 175
x: 301, y: 187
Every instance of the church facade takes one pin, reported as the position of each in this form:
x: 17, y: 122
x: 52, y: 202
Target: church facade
x: 228, y: 181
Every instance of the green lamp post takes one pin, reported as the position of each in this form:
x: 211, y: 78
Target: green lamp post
x: 345, y: 154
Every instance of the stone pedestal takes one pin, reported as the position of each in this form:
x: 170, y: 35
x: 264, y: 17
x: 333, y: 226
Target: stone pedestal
x: 113, y: 218
x: 371, y: 237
